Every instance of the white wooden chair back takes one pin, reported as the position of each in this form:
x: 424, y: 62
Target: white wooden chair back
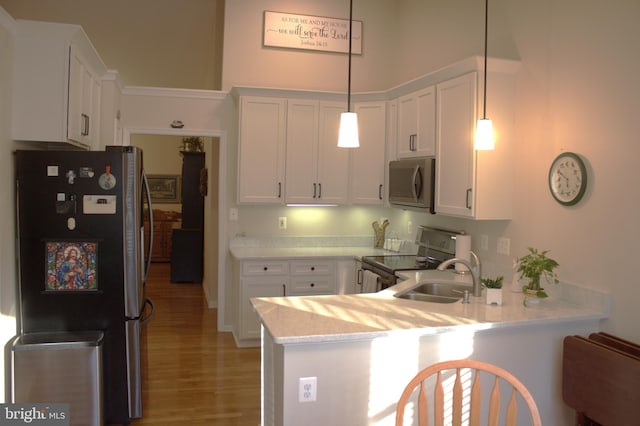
x: 460, y: 407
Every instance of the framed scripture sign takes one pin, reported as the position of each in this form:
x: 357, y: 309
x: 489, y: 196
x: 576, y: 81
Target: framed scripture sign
x: 311, y: 33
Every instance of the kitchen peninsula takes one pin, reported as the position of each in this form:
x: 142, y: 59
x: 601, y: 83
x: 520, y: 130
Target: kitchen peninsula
x: 363, y: 348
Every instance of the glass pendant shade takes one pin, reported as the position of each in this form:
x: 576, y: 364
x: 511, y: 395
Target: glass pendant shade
x: 484, y: 135
x: 348, y: 133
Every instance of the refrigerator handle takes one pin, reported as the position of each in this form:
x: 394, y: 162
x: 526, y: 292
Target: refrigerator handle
x: 145, y: 182
x: 146, y: 318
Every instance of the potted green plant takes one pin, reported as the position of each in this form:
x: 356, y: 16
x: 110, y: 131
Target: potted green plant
x: 535, y: 265
x: 493, y: 290
x: 192, y: 144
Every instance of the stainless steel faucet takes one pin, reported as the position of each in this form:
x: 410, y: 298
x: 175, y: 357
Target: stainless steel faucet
x: 477, y: 287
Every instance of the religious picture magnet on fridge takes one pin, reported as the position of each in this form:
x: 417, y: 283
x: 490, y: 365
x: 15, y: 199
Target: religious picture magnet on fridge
x: 71, y: 265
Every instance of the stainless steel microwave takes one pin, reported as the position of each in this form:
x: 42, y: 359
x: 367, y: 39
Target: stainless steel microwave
x: 412, y: 183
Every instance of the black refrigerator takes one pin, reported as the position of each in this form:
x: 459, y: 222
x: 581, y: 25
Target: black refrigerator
x: 83, y: 259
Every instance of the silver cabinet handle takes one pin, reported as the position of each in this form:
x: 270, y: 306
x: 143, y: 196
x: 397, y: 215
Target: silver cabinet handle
x: 279, y: 189
x: 380, y: 192
x: 319, y: 190
x: 469, y: 198
x: 85, y: 125
x: 314, y: 190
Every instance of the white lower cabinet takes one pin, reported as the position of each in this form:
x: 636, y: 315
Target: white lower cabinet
x: 277, y: 278
x: 347, y: 276
x: 249, y: 327
x: 309, y: 277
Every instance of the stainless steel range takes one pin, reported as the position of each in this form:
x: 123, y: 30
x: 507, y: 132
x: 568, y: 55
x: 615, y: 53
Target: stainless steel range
x: 434, y: 247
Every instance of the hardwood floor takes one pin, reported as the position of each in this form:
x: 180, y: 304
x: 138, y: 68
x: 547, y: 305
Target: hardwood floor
x: 194, y: 375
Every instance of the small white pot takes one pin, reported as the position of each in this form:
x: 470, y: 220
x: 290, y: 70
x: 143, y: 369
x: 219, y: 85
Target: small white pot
x: 494, y: 296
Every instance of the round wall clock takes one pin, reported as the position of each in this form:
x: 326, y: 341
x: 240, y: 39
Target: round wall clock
x: 567, y: 178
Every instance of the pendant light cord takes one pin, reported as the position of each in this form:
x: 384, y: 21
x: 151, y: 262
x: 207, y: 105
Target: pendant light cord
x: 486, y: 24
x: 350, y: 37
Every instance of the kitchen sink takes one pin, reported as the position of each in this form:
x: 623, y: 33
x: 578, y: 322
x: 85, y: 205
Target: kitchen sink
x: 437, y: 293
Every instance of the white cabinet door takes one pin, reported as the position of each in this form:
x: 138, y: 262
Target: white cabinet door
x: 455, y: 166
x: 317, y: 170
x: 256, y: 287
x: 368, y: 161
x: 56, y: 71
x: 302, y: 146
x: 333, y: 162
x: 84, y: 101
x: 261, y: 151
x: 417, y: 124
x: 347, y: 276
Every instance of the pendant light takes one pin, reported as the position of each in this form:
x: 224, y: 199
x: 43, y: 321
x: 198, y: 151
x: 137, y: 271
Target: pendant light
x: 348, y: 133
x: 484, y: 127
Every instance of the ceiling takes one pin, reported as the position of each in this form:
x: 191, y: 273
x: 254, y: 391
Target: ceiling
x: 173, y: 43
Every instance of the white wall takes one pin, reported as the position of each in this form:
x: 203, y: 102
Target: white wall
x: 7, y: 218
x: 576, y: 91
x: 246, y: 62
x: 161, y: 157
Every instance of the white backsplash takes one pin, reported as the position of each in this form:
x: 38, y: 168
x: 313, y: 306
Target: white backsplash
x: 304, y: 241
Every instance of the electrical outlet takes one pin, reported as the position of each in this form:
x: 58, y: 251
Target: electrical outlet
x: 409, y: 228
x: 504, y: 246
x: 282, y: 222
x: 484, y: 242
x: 307, y: 389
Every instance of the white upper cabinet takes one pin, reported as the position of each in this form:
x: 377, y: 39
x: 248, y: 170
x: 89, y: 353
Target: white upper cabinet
x: 288, y: 142
x: 261, y: 151
x: 469, y: 183
x: 317, y: 170
x: 333, y: 162
x: 368, y: 161
x: 84, y: 101
x: 417, y: 124
x: 56, y: 90
x: 455, y: 162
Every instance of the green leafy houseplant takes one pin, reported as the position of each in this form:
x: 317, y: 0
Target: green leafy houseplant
x: 492, y: 283
x: 192, y: 144
x: 535, y: 265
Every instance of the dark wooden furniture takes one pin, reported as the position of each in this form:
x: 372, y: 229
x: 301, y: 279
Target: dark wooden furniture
x: 192, y: 199
x: 186, y: 256
x: 601, y: 379
x: 163, y: 224
x: 188, y: 241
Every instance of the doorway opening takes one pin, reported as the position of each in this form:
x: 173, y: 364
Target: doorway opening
x: 161, y: 147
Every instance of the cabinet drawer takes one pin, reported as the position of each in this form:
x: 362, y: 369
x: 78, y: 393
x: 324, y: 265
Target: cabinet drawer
x: 311, y: 285
x: 265, y: 268
x: 311, y: 267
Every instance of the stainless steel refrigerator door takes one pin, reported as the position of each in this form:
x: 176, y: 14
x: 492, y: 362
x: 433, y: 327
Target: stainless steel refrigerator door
x: 133, y: 230
x: 134, y: 368
x: 134, y: 330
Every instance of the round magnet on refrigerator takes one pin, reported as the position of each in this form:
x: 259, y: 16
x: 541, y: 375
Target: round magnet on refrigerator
x: 71, y: 223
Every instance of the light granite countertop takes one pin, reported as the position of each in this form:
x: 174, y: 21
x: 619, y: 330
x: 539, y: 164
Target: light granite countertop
x: 316, y: 319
